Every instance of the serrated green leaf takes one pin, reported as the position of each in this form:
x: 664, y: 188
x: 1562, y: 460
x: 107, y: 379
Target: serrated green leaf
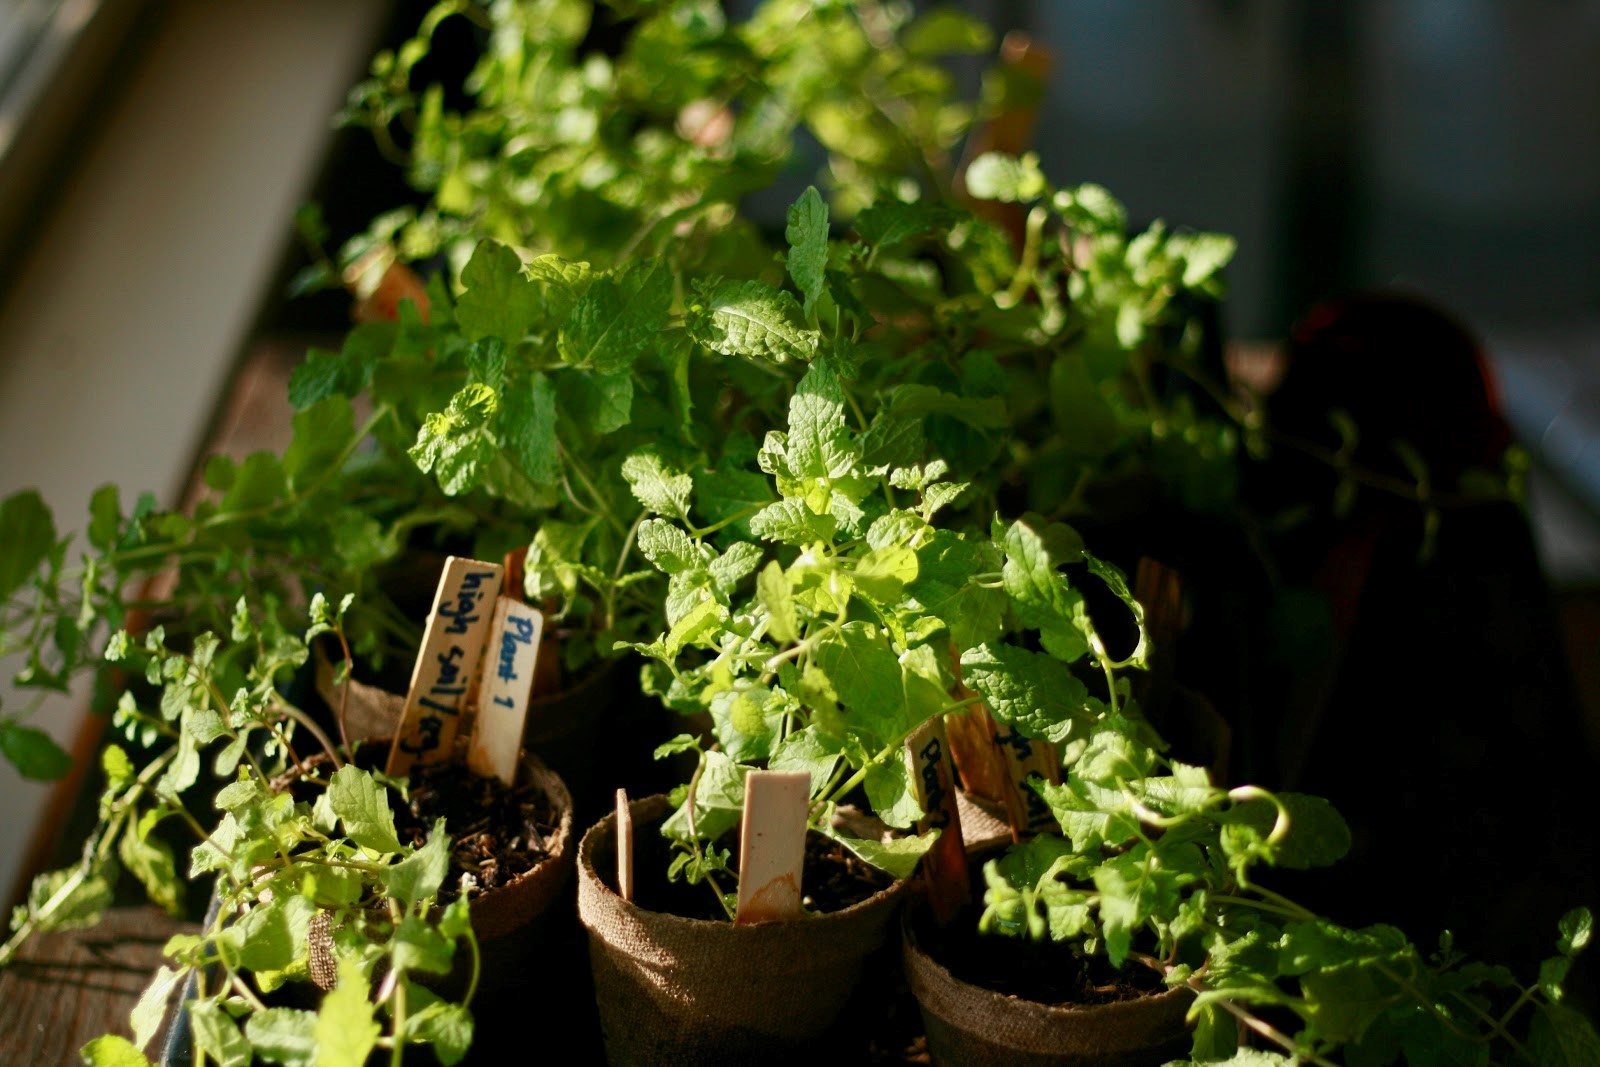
x: 1318, y: 835
x: 734, y: 565
x: 792, y: 523
x: 753, y: 320
x: 866, y: 675
x: 455, y: 445
x: 528, y: 425
x: 270, y: 936
x: 362, y: 805
x: 807, y: 234
x: 812, y: 750
x: 1036, y: 695
x: 693, y: 624
x: 419, y: 875
x: 418, y: 946
x: 668, y: 548
x: 887, y: 224
x: 718, y: 801
x: 284, y: 1036
x: 663, y: 490
x: 499, y: 300
x: 1042, y: 597
x: 117, y: 766
x: 618, y: 317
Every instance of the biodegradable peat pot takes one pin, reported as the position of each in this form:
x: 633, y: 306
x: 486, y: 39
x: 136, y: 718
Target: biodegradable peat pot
x: 674, y: 990
x: 971, y: 1026
x: 508, y: 920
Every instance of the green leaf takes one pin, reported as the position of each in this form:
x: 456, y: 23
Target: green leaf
x: 82, y: 904
x: 807, y: 234
x: 419, y: 875
x: 897, y: 857
x: 1042, y: 597
x: 33, y: 752
x: 1318, y: 835
x: 117, y: 766
x: 30, y: 534
x: 151, y: 1010
x: 867, y: 677
x: 418, y: 946
x: 285, y: 1036
x: 528, y: 423
x: 362, y: 804
x: 105, y: 518
x: 892, y: 793
x: 217, y: 1034
x: 702, y: 618
x: 777, y: 598
x: 321, y: 433
x: 664, y: 491
x: 754, y: 320
x: 447, y: 1027
x: 323, y: 374
x: 792, y: 523
x: 734, y: 565
x: 1134, y: 889
x: 668, y: 548
x: 947, y: 566
x: 1560, y: 1036
x: 454, y: 444
x: 884, y: 573
x: 811, y: 750
x: 618, y: 318
x: 1036, y: 695
x: 1010, y: 179
x: 890, y: 223
x: 944, y: 31
x: 499, y: 299
x: 112, y: 1050
x: 1576, y: 930
x: 271, y: 936
x: 718, y: 801
x: 1320, y: 945
x: 151, y: 862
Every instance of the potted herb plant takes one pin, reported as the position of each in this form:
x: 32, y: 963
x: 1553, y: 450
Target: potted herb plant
x: 1156, y: 867
x: 837, y: 657
x: 329, y: 876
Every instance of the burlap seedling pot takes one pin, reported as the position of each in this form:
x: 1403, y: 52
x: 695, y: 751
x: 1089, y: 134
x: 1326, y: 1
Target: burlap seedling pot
x: 672, y: 990
x: 508, y: 920
x: 970, y: 1026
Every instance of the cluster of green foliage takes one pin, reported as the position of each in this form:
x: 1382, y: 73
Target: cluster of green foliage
x: 282, y: 865
x: 603, y: 132
x: 1157, y: 865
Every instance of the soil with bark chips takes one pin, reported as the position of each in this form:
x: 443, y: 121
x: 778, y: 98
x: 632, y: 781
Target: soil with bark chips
x: 496, y: 832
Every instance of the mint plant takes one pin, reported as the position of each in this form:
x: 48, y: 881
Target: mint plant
x: 839, y: 653
x: 288, y: 869
x: 605, y: 131
x: 1157, y: 865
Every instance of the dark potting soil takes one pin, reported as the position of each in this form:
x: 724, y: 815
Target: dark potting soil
x: 833, y: 879
x: 1042, y: 971
x: 496, y: 832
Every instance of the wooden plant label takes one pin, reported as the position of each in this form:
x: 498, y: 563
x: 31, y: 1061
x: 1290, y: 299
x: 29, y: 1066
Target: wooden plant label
x: 624, y: 846
x: 508, y: 663
x: 933, y: 778
x: 452, y: 644
x: 1028, y: 757
x: 772, y: 846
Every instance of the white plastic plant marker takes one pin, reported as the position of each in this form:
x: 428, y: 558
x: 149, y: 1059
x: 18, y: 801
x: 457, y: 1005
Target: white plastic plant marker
x: 933, y: 780
x: 451, y: 646
x: 507, y: 686
x: 772, y: 846
x: 624, y: 847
